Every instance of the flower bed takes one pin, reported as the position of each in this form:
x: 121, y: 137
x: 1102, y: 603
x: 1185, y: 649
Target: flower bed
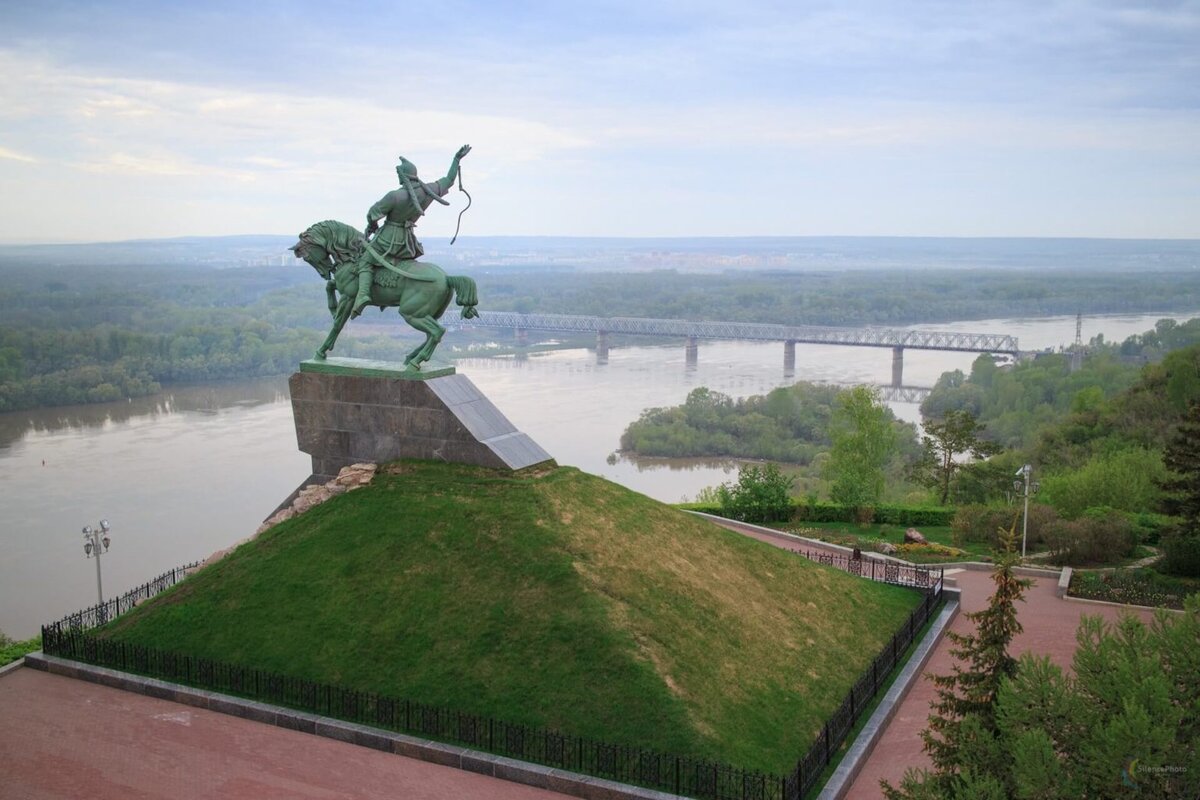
x: 1141, y: 587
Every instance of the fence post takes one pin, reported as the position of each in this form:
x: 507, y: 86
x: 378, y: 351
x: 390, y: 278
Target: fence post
x: 677, y: 773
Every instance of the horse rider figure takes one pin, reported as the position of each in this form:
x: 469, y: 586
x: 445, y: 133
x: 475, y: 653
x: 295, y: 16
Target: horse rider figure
x: 395, y: 244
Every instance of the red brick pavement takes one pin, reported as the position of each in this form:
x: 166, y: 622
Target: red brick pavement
x: 1050, y: 623
x: 69, y: 739
x: 1049, y: 629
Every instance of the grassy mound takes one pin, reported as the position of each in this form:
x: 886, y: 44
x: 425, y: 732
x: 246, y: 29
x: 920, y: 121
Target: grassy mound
x: 555, y: 599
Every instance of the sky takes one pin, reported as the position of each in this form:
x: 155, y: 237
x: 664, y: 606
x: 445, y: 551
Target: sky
x: 122, y: 120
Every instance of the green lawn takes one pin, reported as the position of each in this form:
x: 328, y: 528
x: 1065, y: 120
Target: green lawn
x: 853, y: 534
x: 10, y: 651
x: 555, y: 599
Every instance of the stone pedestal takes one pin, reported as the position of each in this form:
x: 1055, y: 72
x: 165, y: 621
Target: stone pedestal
x: 349, y: 411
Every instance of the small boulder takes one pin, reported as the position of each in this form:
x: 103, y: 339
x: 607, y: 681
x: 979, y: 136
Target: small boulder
x: 355, y: 475
x: 913, y: 536
x: 887, y: 548
x: 310, y: 496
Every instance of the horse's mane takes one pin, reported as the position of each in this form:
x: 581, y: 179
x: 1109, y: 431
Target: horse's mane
x: 343, y: 242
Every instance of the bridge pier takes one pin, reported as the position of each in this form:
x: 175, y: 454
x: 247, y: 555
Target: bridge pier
x: 691, y: 353
x: 897, y: 366
x: 522, y: 337
x: 789, y: 358
x: 601, y: 347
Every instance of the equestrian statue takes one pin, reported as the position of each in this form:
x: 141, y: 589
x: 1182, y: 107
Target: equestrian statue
x: 380, y: 266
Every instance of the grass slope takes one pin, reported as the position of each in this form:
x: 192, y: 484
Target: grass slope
x: 556, y: 599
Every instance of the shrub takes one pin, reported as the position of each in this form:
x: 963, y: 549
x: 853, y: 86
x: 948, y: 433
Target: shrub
x: 760, y: 495
x: 1127, y: 479
x: 1150, y: 527
x: 12, y: 650
x: 818, y: 511
x: 1181, y: 554
x: 984, y: 524
x: 1100, y: 535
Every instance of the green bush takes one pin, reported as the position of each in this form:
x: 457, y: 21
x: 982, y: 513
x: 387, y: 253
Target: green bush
x: 1101, y: 535
x: 10, y: 650
x: 760, y: 495
x: 1150, y: 527
x: 1126, y: 479
x: 1181, y: 554
x: 819, y: 511
x: 983, y: 524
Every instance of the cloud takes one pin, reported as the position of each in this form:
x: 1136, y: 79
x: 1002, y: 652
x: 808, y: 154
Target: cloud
x: 13, y: 155
x: 152, y: 127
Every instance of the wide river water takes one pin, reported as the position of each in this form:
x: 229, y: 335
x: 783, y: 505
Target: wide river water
x: 185, y: 473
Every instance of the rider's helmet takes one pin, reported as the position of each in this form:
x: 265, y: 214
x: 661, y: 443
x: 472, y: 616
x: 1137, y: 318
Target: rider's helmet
x: 406, y: 169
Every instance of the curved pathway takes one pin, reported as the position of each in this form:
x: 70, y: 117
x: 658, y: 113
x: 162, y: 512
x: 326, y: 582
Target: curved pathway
x: 1049, y: 624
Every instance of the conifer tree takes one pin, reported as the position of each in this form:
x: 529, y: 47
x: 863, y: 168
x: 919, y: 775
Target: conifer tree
x: 1182, y: 458
x: 1182, y: 495
x: 961, y: 737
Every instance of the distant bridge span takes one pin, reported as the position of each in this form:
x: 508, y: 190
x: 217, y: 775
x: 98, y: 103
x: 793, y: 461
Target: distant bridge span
x: 790, y: 335
x: 753, y: 331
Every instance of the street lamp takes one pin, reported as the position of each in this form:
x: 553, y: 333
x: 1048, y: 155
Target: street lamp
x: 1026, y: 488
x: 96, y: 541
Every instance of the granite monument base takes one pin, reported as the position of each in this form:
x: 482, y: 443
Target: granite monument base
x: 349, y: 411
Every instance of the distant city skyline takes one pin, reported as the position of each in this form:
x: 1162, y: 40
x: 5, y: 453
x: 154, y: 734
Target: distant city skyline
x: 142, y: 119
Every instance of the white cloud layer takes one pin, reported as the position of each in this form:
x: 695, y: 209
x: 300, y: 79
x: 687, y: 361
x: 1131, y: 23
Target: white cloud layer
x: 616, y: 118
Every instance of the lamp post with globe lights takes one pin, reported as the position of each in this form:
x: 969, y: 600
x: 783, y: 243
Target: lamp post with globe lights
x: 1026, y: 488
x: 95, y: 542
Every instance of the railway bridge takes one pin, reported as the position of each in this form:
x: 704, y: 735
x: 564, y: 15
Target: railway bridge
x: 898, y: 340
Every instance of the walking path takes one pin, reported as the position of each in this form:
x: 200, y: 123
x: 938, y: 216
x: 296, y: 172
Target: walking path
x: 1049, y: 621
x: 66, y: 739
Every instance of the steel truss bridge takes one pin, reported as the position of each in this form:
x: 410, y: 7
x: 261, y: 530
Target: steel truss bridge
x: 751, y: 331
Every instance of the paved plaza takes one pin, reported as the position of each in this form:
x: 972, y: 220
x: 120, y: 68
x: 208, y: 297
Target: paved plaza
x: 66, y: 739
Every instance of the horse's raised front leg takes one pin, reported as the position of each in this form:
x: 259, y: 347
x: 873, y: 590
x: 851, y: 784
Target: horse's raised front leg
x: 433, y: 334
x: 339, y: 321
x: 331, y: 297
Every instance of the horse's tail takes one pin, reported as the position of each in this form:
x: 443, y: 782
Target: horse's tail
x: 464, y: 292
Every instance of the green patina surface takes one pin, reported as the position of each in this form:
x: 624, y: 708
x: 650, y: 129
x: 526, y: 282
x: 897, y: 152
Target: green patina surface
x: 379, y: 266
x: 372, y: 368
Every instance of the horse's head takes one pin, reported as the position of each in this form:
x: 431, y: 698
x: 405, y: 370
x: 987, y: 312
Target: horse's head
x: 316, y: 255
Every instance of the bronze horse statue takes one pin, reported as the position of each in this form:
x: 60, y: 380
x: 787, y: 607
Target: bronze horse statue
x: 419, y: 290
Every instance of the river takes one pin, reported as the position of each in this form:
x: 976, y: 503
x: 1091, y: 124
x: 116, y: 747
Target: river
x: 194, y: 470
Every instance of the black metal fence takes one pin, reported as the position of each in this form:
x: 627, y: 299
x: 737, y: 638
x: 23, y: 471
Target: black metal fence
x: 99, y: 614
x: 71, y: 638
x: 837, y: 727
x: 883, y: 570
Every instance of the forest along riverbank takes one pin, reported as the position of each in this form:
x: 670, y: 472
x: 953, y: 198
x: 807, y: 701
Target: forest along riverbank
x: 191, y: 471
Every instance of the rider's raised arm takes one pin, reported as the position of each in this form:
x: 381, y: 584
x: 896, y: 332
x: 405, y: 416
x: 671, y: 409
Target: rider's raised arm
x: 452, y: 173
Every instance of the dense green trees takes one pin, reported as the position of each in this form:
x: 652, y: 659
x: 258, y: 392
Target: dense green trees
x: 1181, y: 498
x: 863, y: 441
x: 789, y: 424
x: 761, y: 494
x: 838, y: 297
x: 955, y: 434
x: 1122, y: 723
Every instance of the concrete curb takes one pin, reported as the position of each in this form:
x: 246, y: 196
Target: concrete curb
x: 852, y: 763
x: 508, y: 769
x: 1064, y: 582
x: 725, y: 522
x: 1129, y: 606
x: 12, y: 666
